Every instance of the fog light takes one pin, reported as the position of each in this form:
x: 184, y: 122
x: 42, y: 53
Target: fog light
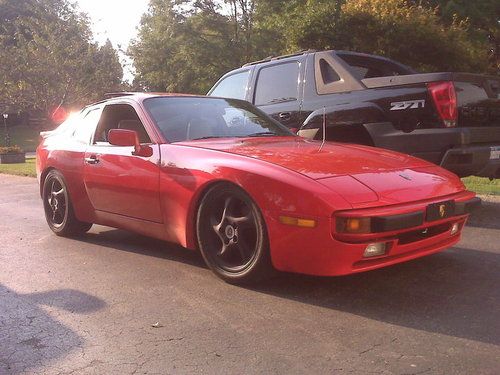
x: 375, y: 249
x: 454, y: 229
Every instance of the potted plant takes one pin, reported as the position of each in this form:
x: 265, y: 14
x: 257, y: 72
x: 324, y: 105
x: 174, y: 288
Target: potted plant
x: 12, y: 154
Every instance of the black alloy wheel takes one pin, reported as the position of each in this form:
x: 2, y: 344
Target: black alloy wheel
x: 232, y: 236
x: 58, y: 209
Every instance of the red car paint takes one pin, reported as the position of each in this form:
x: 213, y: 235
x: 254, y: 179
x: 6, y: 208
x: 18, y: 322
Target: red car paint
x: 158, y: 195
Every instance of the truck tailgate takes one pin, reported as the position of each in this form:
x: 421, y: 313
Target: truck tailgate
x: 478, y: 99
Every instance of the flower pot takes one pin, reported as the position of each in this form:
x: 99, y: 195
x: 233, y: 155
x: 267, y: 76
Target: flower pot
x: 12, y: 158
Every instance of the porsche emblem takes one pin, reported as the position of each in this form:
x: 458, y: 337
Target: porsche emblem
x: 442, y: 210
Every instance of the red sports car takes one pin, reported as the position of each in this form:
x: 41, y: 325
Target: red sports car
x: 220, y: 176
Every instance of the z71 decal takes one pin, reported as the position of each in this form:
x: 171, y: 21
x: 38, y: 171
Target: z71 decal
x: 410, y: 104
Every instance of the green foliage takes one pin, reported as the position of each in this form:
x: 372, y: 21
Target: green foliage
x: 483, y: 14
x: 411, y: 34
x: 186, y: 45
x: 26, y: 137
x: 20, y: 169
x: 482, y: 185
x: 48, y: 58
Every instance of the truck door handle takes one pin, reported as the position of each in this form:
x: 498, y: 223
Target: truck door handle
x: 285, y: 116
x: 92, y: 159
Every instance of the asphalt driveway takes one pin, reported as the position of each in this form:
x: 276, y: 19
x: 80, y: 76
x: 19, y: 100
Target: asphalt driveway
x: 113, y: 302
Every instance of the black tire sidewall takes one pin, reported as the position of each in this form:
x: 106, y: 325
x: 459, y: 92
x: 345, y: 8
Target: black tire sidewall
x: 55, y: 175
x: 70, y: 226
x: 260, y: 264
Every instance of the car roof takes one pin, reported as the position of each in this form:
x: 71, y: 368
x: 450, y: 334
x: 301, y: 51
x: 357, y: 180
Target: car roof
x: 138, y: 96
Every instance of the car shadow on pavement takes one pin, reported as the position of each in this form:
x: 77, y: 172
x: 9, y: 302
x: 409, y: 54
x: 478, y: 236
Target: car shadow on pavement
x: 29, y: 336
x: 488, y: 216
x: 453, y: 293
x: 134, y: 243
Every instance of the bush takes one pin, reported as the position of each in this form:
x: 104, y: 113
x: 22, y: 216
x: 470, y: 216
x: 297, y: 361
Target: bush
x: 10, y: 150
x: 411, y: 34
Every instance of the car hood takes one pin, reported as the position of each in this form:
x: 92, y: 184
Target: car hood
x: 360, y: 174
x: 313, y: 160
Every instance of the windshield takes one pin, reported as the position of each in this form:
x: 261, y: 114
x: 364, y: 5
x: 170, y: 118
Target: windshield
x: 190, y: 118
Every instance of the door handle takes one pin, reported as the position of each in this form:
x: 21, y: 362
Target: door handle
x: 285, y: 116
x: 92, y: 159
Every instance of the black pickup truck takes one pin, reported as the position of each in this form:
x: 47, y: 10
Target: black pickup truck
x: 451, y: 119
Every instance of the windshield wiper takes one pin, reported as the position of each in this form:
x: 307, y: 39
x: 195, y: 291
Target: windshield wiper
x: 261, y: 134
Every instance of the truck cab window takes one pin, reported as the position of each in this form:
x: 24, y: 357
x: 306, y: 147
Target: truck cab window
x: 277, y: 83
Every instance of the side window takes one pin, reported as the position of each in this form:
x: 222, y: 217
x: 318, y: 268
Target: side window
x: 277, y: 83
x: 327, y: 73
x: 233, y: 87
x: 119, y: 116
x: 86, y: 126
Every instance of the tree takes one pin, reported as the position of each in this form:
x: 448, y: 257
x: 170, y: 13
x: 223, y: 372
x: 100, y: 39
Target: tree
x: 411, y: 34
x: 186, y: 45
x: 48, y: 57
x: 484, y: 19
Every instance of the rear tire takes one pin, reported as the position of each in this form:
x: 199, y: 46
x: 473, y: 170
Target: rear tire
x: 58, y: 209
x: 232, y: 236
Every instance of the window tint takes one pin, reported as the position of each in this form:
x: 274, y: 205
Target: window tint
x: 185, y: 118
x: 233, y: 86
x: 119, y: 116
x: 371, y: 67
x: 86, y: 126
x: 329, y: 75
x: 277, y: 83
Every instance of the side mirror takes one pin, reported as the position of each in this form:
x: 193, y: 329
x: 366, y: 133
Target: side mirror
x: 123, y: 137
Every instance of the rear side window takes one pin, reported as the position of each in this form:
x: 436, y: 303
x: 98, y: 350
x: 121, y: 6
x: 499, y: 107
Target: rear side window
x: 327, y: 73
x: 278, y: 83
x: 233, y: 86
x: 86, y: 126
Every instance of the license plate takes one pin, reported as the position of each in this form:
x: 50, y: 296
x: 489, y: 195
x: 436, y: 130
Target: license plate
x: 441, y: 210
x: 495, y: 153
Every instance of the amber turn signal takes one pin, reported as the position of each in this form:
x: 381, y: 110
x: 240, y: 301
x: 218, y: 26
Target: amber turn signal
x: 299, y: 222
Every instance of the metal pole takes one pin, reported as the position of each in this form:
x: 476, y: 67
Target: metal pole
x: 7, y: 138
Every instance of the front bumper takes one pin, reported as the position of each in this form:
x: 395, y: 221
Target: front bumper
x: 322, y: 252
x: 464, y: 150
x: 483, y: 161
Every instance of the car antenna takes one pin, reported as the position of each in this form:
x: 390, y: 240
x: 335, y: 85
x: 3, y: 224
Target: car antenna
x: 324, y: 129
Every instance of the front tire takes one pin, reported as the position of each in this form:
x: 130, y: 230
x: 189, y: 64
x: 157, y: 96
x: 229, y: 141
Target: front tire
x: 232, y: 236
x: 58, y: 208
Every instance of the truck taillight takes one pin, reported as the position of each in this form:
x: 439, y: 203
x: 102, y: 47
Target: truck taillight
x: 445, y: 100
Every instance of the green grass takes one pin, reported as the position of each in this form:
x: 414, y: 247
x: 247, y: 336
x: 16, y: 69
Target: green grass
x: 22, y: 136
x: 482, y: 185
x: 20, y: 169
x: 477, y: 184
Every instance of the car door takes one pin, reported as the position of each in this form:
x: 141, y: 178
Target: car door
x: 117, y: 181
x: 277, y: 91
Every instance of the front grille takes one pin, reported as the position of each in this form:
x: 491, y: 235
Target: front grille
x: 422, y: 234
